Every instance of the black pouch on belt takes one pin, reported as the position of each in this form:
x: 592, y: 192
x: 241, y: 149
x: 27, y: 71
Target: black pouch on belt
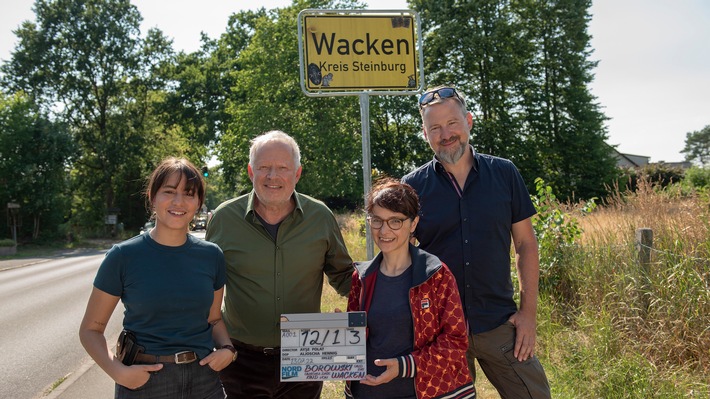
x: 126, y: 348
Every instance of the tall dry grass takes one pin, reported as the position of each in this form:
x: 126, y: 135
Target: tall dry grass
x: 608, y: 327
x: 622, y: 330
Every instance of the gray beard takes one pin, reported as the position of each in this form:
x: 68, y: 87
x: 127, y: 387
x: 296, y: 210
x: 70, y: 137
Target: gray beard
x: 452, y: 157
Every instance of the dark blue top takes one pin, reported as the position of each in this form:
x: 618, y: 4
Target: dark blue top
x: 390, y: 334
x: 167, y: 291
x: 469, y: 229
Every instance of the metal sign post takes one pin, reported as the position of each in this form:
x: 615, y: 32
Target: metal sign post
x: 366, y: 163
x: 360, y: 52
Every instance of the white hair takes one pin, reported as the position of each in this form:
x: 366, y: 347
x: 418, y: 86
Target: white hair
x: 275, y: 136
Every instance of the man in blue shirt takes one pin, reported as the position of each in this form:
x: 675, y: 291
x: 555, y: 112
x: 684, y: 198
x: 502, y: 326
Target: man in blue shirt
x: 471, y: 206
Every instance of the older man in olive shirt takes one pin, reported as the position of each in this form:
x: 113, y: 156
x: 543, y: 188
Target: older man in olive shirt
x: 277, y: 244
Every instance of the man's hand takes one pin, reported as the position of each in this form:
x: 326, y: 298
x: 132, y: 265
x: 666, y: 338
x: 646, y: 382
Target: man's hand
x: 387, y: 376
x: 525, y: 335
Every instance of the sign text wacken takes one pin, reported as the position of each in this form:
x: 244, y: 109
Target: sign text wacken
x: 367, y: 46
x: 360, y: 52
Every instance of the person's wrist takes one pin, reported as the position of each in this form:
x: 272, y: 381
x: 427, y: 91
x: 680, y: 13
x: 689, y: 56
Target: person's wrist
x: 231, y: 349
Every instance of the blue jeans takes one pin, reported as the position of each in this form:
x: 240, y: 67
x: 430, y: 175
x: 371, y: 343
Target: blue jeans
x: 177, y: 381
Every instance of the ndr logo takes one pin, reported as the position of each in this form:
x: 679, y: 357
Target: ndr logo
x: 290, y: 371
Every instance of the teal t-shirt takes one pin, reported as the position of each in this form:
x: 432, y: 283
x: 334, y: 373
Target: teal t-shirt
x: 167, y: 291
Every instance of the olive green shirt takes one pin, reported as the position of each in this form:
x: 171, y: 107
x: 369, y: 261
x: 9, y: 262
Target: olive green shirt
x: 267, y: 278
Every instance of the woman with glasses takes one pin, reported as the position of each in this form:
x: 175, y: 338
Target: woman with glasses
x: 416, y: 330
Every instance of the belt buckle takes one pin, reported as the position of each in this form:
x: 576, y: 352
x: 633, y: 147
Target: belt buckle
x: 185, y: 357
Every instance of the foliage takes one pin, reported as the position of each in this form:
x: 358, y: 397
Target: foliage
x: 267, y: 96
x: 397, y: 145
x: 81, y: 57
x: 564, y: 119
x: 218, y: 190
x: 525, y: 68
x: 128, y: 101
x: 7, y: 242
x: 194, y: 108
x: 557, y: 232
x: 697, y: 146
x: 34, y: 155
x: 697, y: 177
x: 84, y: 61
x: 640, y: 331
x: 658, y: 174
x: 601, y: 342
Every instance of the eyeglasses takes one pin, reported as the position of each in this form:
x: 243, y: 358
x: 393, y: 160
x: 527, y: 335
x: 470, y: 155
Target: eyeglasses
x: 393, y: 223
x: 444, y: 92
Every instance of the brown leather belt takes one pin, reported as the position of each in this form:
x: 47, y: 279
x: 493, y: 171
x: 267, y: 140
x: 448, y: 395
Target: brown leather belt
x: 178, y: 358
x: 268, y: 351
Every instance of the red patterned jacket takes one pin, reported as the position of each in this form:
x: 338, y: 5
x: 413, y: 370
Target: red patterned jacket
x: 438, y: 362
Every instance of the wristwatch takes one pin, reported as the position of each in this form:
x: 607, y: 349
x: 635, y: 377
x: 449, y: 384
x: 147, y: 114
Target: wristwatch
x: 231, y: 348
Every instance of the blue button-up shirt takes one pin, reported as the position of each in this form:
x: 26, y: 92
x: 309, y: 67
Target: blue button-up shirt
x: 469, y: 229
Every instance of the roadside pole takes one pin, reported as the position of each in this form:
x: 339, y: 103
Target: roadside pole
x: 364, y: 53
x: 366, y: 164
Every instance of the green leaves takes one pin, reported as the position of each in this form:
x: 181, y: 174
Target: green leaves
x: 526, y: 70
x: 557, y: 232
x: 34, y: 153
x: 697, y: 146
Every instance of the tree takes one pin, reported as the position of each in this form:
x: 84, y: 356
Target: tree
x: 34, y: 156
x: 563, y: 121
x: 697, y: 146
x: 267, y: 96
x: 80, y: 57
x: 477, y: 46
x: 397, y: 145
x: 195, y: 104
x: 525, y: 68
x: 85, y: 62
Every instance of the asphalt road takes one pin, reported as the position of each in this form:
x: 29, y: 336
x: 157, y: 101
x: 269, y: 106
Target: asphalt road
x: 41, y: 306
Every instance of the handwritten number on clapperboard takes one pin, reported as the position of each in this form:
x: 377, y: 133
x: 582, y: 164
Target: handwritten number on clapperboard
x: 316, y: 341
x: 305, y: 336
x: 356, y: 334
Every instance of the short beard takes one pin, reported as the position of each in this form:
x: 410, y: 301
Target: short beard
x: 452, y: 157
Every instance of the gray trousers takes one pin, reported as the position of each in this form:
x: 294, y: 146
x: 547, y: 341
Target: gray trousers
x: 513, y: 379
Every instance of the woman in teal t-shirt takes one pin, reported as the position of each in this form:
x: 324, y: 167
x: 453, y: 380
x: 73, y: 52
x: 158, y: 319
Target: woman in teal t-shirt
x: 171, y: 285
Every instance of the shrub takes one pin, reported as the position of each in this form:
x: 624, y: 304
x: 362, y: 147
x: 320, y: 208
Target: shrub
x: 658, y: 174
x: 698, y: 177
x: 7, y: 242
x: 557, y: 232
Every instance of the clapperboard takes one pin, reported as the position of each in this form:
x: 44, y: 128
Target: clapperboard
x: 323, y: 346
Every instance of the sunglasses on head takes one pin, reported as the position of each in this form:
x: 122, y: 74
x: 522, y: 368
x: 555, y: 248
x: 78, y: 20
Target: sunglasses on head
x: 444, y: 92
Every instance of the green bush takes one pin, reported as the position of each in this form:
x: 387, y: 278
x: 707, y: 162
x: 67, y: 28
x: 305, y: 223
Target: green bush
x: 698, y: 177
x: 656, y: 174
x: 557, y: 232
x: 7, y: 242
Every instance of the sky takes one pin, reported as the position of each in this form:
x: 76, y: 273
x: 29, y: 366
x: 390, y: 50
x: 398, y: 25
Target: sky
x: 652, y: 80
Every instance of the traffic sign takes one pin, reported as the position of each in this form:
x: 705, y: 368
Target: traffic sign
x: 350, y: 51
